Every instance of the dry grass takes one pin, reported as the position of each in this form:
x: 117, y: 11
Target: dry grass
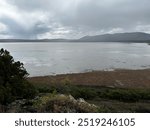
x: 117, y: 78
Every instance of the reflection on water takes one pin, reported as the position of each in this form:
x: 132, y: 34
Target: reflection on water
x: 57, y: 58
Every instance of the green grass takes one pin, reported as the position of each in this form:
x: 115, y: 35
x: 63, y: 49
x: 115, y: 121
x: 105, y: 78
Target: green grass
x: 120, y: 94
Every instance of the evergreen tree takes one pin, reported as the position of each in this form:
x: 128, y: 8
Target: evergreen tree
x: 13, y: 83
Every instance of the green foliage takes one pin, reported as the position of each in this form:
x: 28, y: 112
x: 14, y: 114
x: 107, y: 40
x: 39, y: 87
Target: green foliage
x: 100, y: 92
x: 45, y: 89
x: 13, y: 83
x: 5, y: 95
x: 125, y: 95
x: 86, y: 93
x: 65, y: 86
x: 9, y: 69
x: 43, y: 100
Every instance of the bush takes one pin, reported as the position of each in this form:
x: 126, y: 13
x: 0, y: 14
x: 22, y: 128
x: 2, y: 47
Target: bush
x: 125, y: 95
x: 13, y: 83
x: 62, y: 103
x: 86, y: 93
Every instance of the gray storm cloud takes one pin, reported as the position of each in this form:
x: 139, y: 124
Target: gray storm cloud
x: 72, y: 18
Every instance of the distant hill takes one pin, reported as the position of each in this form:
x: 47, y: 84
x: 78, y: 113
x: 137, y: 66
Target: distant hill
x: 117, y: 37
x: 33, y: 40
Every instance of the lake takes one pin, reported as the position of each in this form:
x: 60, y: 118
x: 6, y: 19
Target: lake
x: 59, y: 58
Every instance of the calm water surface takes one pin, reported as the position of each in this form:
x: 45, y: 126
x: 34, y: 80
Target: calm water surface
x: 58, y: 58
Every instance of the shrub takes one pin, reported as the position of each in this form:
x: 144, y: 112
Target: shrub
x: 125, y: 95
x: 13, y: 83
x: 86, y: 93
x: 62, y: 103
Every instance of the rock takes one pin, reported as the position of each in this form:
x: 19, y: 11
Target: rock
x: 81, y: 100
x: 71, y: 98
x: 62, y: 95
x: 53, y: 104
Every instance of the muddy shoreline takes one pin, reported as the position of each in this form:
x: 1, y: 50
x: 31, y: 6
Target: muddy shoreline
x: 117, y: 78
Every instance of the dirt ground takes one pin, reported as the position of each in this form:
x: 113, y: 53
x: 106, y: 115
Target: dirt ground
x: 116, y: 78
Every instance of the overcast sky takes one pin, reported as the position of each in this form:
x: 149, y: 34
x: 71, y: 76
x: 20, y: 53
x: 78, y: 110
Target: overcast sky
x: 72, y: 18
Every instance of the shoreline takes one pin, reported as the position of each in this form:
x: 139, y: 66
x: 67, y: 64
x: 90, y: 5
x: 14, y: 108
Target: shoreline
x: 89, y: 71
x: 121, y: 78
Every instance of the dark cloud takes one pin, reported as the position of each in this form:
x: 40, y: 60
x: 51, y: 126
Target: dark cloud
x: 73, y: 18
x: 16, y: 29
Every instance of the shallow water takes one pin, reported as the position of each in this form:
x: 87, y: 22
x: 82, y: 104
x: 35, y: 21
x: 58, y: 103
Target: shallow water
x: 58, y: 58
